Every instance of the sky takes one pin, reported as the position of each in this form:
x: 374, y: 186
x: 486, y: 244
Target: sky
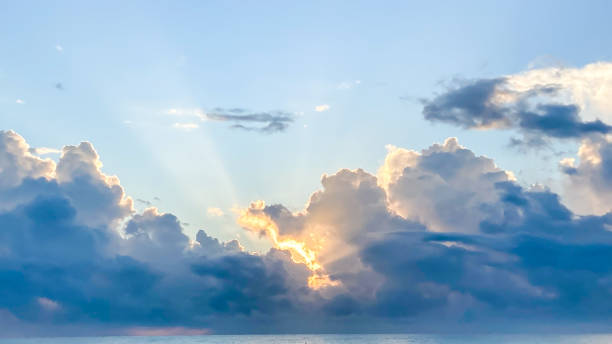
x: 272, y: 167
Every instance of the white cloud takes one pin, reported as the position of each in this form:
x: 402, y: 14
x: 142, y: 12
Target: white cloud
x: 187, y: 112
x: 45, y: 150
x: 347, y: 85
x: 20, y: 101
x: 321, y: 108
x: 185, y: 126
x: 588, y: 183
x: 215, y: 212
x: 59, y: 48
x: 590, y: 87
x: 48, y: 304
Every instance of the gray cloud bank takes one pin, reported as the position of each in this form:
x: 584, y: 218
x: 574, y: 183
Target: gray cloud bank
x: 438, y: 240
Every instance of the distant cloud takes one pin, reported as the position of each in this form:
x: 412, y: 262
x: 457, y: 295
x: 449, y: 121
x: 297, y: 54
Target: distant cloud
x: 59, y: 86
x: 185, y: 126
x: 547, y: 103
x: 48, y: 304
x: 45, y: 150
x: 347, y: 85
x: 270, y: 122
x: 267, y: 122
x: 59, y: 48
x: 215, y: 212
x: 20, y: 101
x: 321, y: 108
x: 144, y: 202
x: 187, y: 112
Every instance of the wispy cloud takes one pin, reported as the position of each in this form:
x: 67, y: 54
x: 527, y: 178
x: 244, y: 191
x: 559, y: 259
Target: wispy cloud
x: 44, y: 150
x: 187, y: 112
x: 20, y: 101
x: 347, y: 85
x: 321, y: 108
x: 266, y: 122
x: 59, y: 48
x: 263, y: 122
x: 185, y: 126
x: 212, y: 211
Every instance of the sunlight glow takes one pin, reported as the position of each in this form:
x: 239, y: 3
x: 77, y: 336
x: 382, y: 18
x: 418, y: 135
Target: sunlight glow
x: 261, y: 223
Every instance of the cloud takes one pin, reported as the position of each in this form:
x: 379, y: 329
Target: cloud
x: 269, y: 122
x: 446, y: 187
x: 263, y: 122
x: 188, y: 112
x: 45, y: 151
x: 443, y: 236
x: 59, y: 48
x: 144, y: 202
x: 589, y: 181
x: 322, y: 108
x: 555, y: 102
x: 214, y: 212
x: 439, y: 239
x: 185, y: 126
x: 73, y: 251
x: 20, y: 101
x: 347, y: 85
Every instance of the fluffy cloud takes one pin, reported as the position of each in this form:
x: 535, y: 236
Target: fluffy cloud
x: 444, y: 236
x: 553, y: 102
x: 440, y: 239
x: 589, y: 181
x: 73, y: 252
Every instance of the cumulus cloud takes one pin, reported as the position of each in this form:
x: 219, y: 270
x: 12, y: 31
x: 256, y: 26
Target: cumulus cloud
x: 445, y: 236
x: 550, y: 102
x: 440, y: 239
x: 446, y: 187
x: 589, y: 180
x: 73, y: 251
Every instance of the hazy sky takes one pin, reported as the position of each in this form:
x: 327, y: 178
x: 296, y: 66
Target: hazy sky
x: 202, y: 107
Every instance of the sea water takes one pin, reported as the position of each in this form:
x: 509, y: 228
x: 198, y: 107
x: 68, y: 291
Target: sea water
x: 327, y: 339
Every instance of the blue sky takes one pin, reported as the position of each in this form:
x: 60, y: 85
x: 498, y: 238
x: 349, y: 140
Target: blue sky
x: 136, y: 61
x: 131, y: 78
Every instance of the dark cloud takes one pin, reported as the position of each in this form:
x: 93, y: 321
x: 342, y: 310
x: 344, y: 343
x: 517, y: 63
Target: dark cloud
x: 480, y: 104
x: 440, y: 240
x: 72, y: 252
x: 263, y: 122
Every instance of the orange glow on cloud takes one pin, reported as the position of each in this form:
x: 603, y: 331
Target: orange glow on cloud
x: 260, y: 222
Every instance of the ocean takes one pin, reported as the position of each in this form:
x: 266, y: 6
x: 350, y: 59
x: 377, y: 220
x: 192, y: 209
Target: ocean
x: 327, y: 339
